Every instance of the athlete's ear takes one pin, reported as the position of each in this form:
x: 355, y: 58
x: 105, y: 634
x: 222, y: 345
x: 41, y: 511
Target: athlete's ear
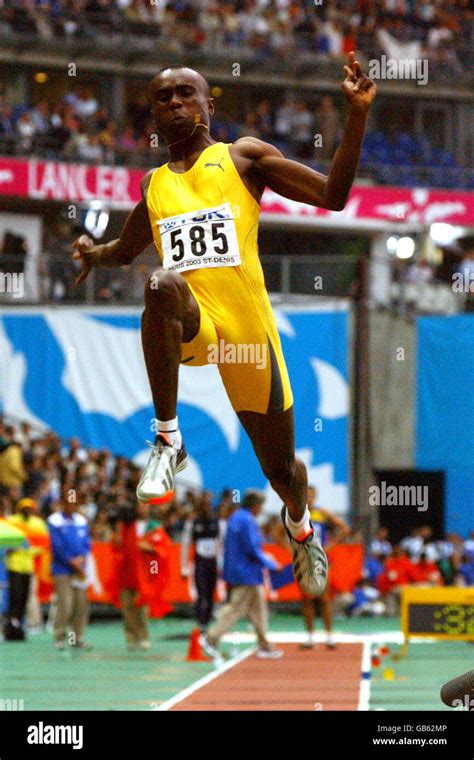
x: 211, y: 106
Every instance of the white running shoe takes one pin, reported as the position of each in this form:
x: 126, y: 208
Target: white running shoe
x: 310, y: 564
x: 156, y: 484
x: 209, y: 648
x: 211, y: 651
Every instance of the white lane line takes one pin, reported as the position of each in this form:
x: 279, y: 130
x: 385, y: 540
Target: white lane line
x: 205, y: 680
x: 388, y: 637
x: 364, y: 688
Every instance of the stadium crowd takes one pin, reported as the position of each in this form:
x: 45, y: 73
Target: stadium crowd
x: 38, y: 466
x: 79, y: 128
x: 435, y: 29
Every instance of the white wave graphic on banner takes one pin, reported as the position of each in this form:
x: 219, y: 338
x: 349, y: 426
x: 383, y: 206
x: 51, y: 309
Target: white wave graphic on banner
x: 120, y: 361
x: 12, y: 378
x: 333, y: 390
x: 115, y: 381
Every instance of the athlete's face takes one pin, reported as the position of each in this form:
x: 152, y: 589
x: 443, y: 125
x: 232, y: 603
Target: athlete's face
x: 179, y: 99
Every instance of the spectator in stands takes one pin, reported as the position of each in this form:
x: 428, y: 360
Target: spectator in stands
x: 24, y: 437
x: 85, y: 145
x: 126, y: 141
x: 392, y: 46
x: 20, y: 564
x: 40, y: 117
x: 100, y: 528
x: 244, y: 561
x: 373, y: 567
x: 101, y: 119
x: 35, y: 476
x: 12, y: 470
x: 420, y: 272
x: 469, y: 545
x: 302, y: 128
x: 64, y: 125
x: 83, y: 102
x: 4, y: 502
x: 395, y: 575
x: 26, y: 130
x: 139, y: 113
x: 328, y: 125
x: 466, y: 571
x: 250, y: 126
x: 70, y: 543
x: 75, y: 453
x: 365, y: 600
x: 108, y: 139
x: 425, y: 573
x: 414, y: 543
x: 466, y: 269
x: 264, y: 120
x: 284, y: 120
x: 449, y: 557
x: 7, y: 127
x: 335, y: 39
x: 380, y: 545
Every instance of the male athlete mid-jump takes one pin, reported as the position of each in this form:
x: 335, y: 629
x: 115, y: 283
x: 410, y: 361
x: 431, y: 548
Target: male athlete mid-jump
x: 201, y: 209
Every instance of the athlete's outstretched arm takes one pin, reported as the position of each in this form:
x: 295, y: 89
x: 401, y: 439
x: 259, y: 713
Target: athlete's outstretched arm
x: 300, y: 183
x: 136, y: 235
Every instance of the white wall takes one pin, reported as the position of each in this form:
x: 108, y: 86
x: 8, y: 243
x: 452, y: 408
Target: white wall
x: 31, y: 228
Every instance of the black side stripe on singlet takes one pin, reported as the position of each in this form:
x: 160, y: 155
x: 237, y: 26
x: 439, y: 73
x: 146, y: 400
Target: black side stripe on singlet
x: 275, y: 402
x: 183, y: 361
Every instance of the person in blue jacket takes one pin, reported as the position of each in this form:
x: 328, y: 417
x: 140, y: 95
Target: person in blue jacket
x: 244, y: 561
x: 70, y: 546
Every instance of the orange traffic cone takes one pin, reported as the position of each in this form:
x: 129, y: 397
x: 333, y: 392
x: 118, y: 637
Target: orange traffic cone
x: 195, y: 653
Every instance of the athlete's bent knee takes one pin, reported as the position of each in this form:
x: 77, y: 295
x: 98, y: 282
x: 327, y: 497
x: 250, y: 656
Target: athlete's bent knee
x: 166, y: 288
x: 282, y: 473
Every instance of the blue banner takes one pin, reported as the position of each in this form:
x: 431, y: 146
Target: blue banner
x: 82, y: 373
x: 445, y: 411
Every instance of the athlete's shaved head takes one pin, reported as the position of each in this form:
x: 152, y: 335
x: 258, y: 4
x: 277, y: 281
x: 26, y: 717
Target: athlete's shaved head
x: 181, y: 102
x: 187, y: 70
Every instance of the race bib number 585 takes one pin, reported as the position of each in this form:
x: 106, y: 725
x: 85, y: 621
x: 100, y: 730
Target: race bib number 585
x: 200, y: 239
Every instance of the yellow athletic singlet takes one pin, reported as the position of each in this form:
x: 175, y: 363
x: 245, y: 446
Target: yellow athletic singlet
x: 205, y: 227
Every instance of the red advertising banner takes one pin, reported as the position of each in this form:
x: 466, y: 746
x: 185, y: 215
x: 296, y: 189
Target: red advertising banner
x: 120, y: 188
x: 346, y: 562
x: 49, y: 180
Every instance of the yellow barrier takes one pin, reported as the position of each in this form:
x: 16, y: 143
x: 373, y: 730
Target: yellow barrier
x: 440, y: 613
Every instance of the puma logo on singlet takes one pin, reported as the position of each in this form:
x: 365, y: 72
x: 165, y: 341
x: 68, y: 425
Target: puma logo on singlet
x: 219, y: 164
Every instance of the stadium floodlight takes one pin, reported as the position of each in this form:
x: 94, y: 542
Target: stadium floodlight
x: 96, y: 219
x: 444, y: 234
x: 392, y: 244
x: 405, y: 247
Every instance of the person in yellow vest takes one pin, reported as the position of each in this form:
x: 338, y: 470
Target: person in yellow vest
x: 20, y: 564
x: 331, y: 529
x: 12, y: 470
x: 208, y: 303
